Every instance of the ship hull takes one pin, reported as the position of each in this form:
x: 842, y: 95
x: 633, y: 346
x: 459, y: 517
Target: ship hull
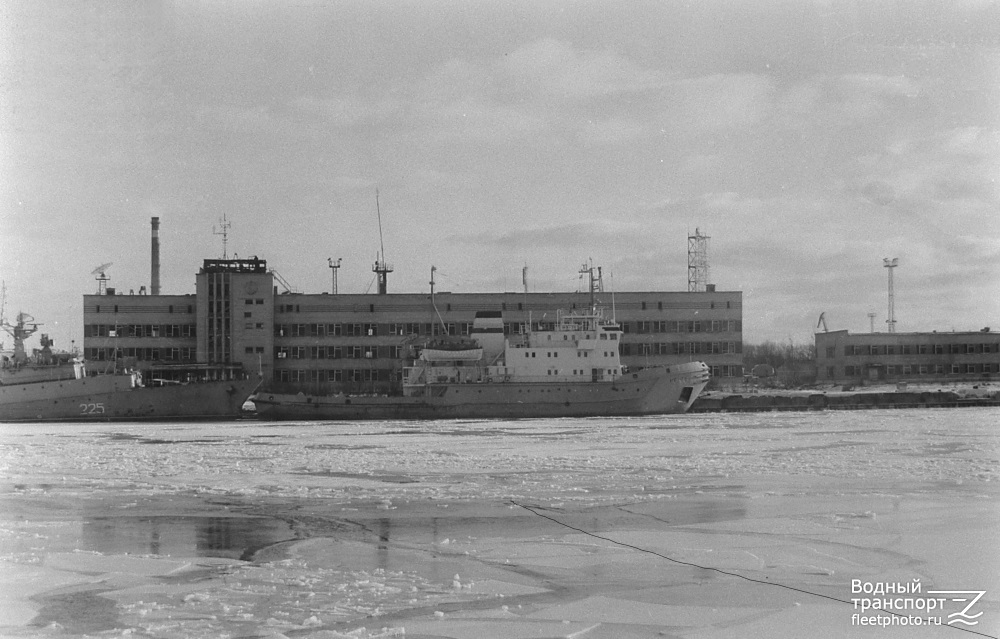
x: 113, y: 398
x: 650, y: 391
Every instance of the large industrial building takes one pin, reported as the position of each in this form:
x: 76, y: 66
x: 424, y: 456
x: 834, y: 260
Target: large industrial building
x: 359, y: 342
x: 842, y: 358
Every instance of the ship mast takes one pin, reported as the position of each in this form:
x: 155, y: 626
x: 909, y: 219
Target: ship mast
x: 381, y: 268
x: 444, y: 327
x: 20, y: 332
x: 596, y: 283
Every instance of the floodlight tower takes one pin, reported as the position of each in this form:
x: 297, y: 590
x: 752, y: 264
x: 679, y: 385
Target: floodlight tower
x: 891, y: 265
x: 697, y: 261
x: 334, y: 267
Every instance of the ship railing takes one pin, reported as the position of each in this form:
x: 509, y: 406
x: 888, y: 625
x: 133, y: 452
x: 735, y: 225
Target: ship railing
x: 581, y: 321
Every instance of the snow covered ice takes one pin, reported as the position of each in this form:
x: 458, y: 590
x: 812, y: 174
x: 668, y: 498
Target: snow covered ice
x: 710, y: 525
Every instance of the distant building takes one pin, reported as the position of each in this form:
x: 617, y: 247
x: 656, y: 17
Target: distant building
x: 358, y: 342
x: 843, y: 358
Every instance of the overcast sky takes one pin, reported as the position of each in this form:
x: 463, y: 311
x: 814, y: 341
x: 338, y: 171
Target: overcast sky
x: 808, y: 139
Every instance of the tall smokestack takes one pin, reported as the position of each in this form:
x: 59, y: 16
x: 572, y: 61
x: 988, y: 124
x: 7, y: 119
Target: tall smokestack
x: 154, y: 276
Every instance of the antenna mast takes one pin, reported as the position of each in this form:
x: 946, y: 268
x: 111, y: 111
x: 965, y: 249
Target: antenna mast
x: 697, y: 262
x: 224, y: 225
x: 891, y: 265
x: 381, y: 268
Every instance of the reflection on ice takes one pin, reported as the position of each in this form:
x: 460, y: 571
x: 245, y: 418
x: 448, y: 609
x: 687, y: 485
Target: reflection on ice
x: 232, y: 537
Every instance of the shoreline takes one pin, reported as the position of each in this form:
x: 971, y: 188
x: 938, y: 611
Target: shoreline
x: 833, y: 397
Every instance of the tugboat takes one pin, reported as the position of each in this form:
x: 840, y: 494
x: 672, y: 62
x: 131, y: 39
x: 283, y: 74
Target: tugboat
x: 571, y: 368
x: 47, y: 386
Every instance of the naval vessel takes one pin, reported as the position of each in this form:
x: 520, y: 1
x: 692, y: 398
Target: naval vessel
x: 47, y: 386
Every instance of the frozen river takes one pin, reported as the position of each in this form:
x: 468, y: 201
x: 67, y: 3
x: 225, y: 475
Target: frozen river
x: 712, y: 525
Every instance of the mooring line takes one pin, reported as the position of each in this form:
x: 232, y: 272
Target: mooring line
x: 534, y: 511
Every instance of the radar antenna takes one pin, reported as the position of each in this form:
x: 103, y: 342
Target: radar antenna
x: 102, y: 278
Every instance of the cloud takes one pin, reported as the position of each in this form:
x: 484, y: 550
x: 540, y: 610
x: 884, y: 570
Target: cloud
x: 717, y: 103
x: 612, y: 131
x: 555, y: 67
x: 879, y: 192
x: 340, y: 110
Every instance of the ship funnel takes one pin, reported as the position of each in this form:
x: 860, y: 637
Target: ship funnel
x: 154, y: 275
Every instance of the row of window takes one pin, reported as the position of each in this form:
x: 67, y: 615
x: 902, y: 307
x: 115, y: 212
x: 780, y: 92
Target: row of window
x: 139, y: 330
x: 338, y: 330
x: 115, y: 308
x: 338, y: 352
x: 182, y: 354
x: 915, y: 349
x: 528, y: 354
x: 683, y: 326
x: 338, y: 375
x: 296, y: 308
x: 921, y: 369
x: 682, y: 348
x: 726, y: 370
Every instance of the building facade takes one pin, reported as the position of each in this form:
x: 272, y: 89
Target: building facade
x: 323, y: 343
x: 843, y: 358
